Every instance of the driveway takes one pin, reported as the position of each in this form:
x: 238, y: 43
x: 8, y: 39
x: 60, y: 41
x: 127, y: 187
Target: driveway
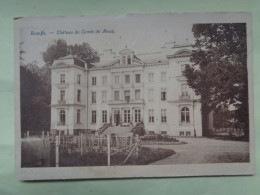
x: 205, y: 150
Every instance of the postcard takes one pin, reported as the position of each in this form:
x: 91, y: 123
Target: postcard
x: 138, y: 95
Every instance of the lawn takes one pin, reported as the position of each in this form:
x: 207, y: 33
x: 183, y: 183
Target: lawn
x: 145, y: 156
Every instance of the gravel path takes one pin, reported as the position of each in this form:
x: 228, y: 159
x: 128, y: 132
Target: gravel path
x: 205, y: 150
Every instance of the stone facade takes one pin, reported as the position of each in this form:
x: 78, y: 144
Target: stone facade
x: 126, y: 89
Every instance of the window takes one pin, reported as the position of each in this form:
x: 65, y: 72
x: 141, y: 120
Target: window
x: 116, y: 95
x: 78, y: 116
x: 94, y: 99
x: 78, y: 79
x: 128, y: 60
x: 188, y: 133
x: 94, y: 116
x: 104, y: 96
x: 151, y: 116
x: 184, y: 90
x: 124, y: 60
x: 138, y: 94
x: 181, y: 133
x: 163, y: 76
x: 126, y: 116
x: 94, y: 81
x: 62, y: 117
x: 78, y: 95
x: 104, y: 80
x: 164, y: 132
x: 127, y: 78
x: 117, y: 79
x: 137, y: 78
x: 137, y: 115
x: 183, y: 66
x: 151, y: 77
x: 185, y: 115
x: 127, y: 95
x: 62, y: 95
x: 62, y: 78
x: 150, y: 94
x: 104, y: 116
x: 163, y: 116
x: 163, y: 94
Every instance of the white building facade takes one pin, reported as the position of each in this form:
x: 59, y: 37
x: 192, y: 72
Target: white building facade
x: 124, y: 90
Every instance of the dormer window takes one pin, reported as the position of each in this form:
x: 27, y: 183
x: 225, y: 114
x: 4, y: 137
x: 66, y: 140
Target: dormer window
x: 128, y: 60
x: 124, y: 60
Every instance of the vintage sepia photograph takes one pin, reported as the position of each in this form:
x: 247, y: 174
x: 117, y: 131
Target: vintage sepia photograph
x: 153, y: 95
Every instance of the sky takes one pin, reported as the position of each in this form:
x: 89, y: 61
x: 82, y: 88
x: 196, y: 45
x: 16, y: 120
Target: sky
x: 141, y: 33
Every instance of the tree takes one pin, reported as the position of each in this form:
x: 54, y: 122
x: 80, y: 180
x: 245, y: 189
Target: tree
x: 59, y: 48
x: 35, y: 111
x: 219, y: 70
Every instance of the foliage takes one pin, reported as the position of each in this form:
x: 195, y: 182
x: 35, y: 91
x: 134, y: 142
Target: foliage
x: 59, y: 48
x: 35, y: 110
x: 219, y: 70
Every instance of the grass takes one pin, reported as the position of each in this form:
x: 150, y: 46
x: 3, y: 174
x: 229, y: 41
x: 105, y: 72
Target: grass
x: 145, y: 156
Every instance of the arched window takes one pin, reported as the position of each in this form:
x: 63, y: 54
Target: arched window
x: 185, y: 115
x: 62, y: 117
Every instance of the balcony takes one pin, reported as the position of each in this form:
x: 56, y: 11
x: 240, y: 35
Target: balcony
x: 184, y: 97
x: 127, y: 101
x: 61, y: 102
x: 62, y: 85
x: 60, y: 123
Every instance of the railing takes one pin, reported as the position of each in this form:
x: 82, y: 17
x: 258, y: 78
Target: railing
x: 184, y: 97
x: 61, y: 123
x: 61, y: 101
x: 139, y: 101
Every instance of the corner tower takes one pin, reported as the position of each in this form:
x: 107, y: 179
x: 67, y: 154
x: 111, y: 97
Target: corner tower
x: 68, y: 95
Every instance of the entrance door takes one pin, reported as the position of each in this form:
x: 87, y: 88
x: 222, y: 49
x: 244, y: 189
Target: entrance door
x: 117, y: 117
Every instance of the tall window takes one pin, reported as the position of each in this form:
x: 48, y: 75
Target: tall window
x: 150, y: 94
x: 151, y: 116
x: 184, y: 90
x: 116, y: 95
x: 62, y: 78
x: 138, y: 94
x: 62, y: 95
x: 151, y: 77
x: 127, y: 78
x: 127, y: 95
x: 104, y: 96
x: 78, y: 116
x: 163, y: 94
x: 94, y: 98
x: 117, y: 79
x: 163, y: 116
x: 137, y: 115
x: 126, y: 116
x: 104, y: 116
x: 94, y: 81
x: 62, y: 117
x: 78, y: 78
x: 78, y: 95
x: 94, y: 116
x: 137, y: 78
x: 163, y: 76
x: 185, y: 115
x: 104, y: 80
